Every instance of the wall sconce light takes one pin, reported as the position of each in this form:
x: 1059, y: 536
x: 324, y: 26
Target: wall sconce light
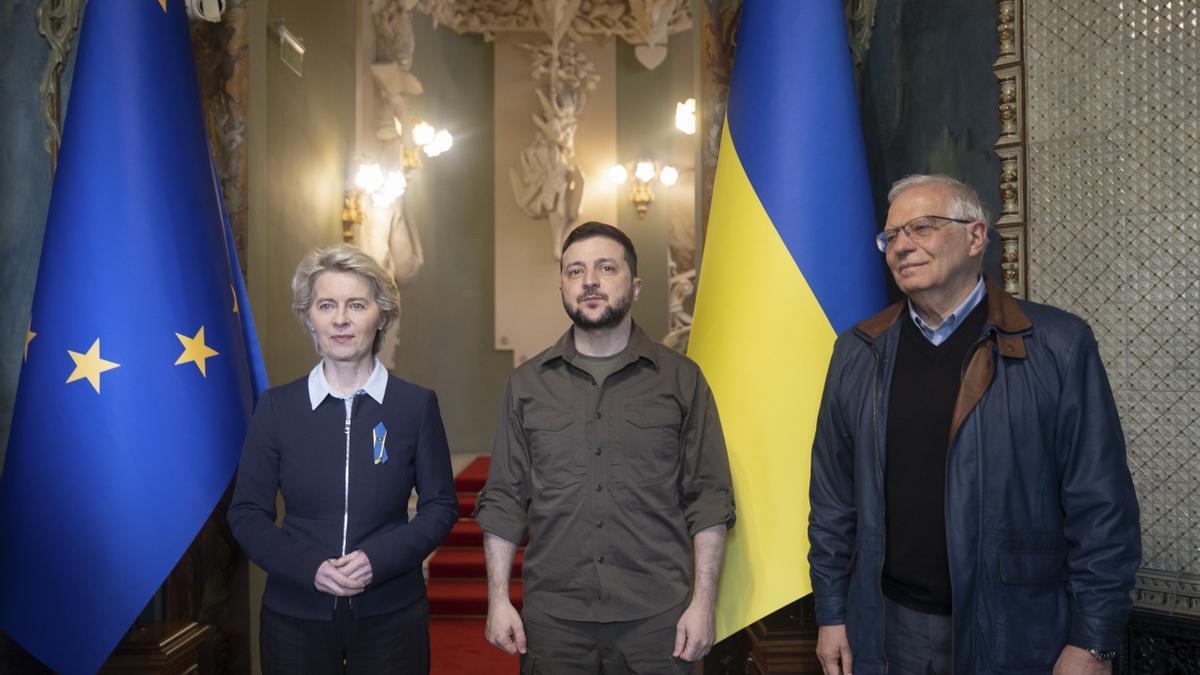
x: 644, y: 173
x: 369, y: 181
x: 384, y: 188
x: 685, y: 116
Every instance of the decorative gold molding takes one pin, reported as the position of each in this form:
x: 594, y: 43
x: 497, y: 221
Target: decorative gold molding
x: 1012, y: 104
x: 1012, y: 197
x: 57, y: 22
x: 1012, y: 221
x: 1008, y: 29
x: 1012, y: 260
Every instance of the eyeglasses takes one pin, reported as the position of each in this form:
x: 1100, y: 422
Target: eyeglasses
x: 917, y: 229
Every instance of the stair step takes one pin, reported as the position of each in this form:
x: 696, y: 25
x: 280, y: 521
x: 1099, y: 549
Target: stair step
x: 472, y: 478
x: 466, y: 504
x: 465, y: 597
x: 466, y: 532
x: 461, y: 563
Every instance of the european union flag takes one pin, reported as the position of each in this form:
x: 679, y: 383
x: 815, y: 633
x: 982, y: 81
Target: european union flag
x: 140, y: 364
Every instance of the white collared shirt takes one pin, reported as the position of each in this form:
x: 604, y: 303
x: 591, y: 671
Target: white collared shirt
x: 943, y: 332
x: 318, y: 386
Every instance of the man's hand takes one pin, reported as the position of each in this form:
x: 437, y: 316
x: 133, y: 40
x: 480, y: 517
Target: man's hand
x: 504, y: 627
x: 1076, y: 661
x: 356, y: 566
x: 329, y: 579
x: 833, y: 650
x: 695, y: 631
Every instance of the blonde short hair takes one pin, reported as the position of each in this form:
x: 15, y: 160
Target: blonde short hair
x: 346, y: 258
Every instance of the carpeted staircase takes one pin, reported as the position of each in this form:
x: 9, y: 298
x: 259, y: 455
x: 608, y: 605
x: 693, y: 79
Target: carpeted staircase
x: 457, y: 575
x: 457, y: 591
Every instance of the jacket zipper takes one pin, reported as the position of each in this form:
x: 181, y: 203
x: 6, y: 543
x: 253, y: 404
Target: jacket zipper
x: 879, y: 470
x: 346, y: 499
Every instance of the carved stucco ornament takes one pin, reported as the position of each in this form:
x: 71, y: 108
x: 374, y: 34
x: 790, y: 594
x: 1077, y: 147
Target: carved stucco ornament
x: 546, y: 184
x: 638, y: 22
x: 388, y: 233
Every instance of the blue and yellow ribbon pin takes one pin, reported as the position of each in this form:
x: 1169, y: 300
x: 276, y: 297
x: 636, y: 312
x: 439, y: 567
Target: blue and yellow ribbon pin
x: 379, y: 439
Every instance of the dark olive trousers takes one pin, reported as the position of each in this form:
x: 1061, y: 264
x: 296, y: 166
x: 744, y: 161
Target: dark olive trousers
x: 396, y: 642
x: 563, y: 647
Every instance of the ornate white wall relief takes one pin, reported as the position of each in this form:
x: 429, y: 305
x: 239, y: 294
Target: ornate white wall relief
x: 546, y: 182
x: 387, y: 230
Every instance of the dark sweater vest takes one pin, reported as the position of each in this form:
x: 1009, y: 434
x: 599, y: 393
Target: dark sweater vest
x: 924, y: 387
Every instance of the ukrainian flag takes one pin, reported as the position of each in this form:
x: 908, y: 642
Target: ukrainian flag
x: 140, y: 365
x: 788, y: 265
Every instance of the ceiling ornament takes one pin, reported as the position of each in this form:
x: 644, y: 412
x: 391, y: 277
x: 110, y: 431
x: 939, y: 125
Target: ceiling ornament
x: 546, y: 183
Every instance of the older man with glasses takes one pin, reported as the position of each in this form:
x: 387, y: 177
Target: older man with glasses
x: 972, y: 509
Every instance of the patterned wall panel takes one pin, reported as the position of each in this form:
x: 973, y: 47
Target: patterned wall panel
x: 1114, y: 236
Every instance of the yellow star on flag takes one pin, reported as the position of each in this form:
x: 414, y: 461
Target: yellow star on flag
x: 234, y: 294
x: 163, y: 4
x: 89, y: 366
x: 29, y: 335
x: 195, y: 351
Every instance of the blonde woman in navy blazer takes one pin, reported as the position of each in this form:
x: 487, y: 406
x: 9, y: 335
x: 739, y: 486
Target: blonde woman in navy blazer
x: 345, y: 446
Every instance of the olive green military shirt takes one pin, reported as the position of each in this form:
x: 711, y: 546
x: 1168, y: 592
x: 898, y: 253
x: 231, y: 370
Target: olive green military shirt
x: 610, y: 481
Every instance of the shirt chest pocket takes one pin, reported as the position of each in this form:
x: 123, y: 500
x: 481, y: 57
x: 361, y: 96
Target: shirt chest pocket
x: 555, y: 448
x: 650, y: 443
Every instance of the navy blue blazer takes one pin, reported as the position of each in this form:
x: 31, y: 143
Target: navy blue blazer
x: 302, y: 453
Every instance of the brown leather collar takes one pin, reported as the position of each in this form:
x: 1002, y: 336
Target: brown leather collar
x: 1011, y: 324
x: 1003, y: 312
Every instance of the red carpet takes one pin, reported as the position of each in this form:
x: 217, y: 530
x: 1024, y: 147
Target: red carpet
x: 458, y: 591
x: 457, y: 647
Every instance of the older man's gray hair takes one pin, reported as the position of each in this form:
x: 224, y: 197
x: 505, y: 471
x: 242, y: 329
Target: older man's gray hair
x: 964, y: 201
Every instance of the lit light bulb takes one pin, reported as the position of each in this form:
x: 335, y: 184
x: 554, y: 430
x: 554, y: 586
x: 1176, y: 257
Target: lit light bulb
x: 423, y: 133
x: 442, y: 141
x: 644, y: 171
x: 617, y: 174
x: 685, y: 116
x: 669, y: 175
x: 391, y: 190
x: 369, y: 177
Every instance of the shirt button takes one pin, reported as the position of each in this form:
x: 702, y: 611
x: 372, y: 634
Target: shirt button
x: 600, y: 559
x: 599, y: 487
x: 597, y: 415
x: 599, y: 523
x: 599, y: 450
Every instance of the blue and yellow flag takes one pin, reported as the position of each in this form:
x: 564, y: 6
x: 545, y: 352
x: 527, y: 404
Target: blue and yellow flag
x: 788, y: 265
x: 140, y: 366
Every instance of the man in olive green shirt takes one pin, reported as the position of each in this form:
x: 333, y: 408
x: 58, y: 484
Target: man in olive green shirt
x: 609, y: 456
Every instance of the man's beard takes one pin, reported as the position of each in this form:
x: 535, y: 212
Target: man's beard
x: 609, y: 318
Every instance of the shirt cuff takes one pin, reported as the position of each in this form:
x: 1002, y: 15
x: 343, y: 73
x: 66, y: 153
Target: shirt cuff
x: 504, y: 521
x: 714, y: 507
